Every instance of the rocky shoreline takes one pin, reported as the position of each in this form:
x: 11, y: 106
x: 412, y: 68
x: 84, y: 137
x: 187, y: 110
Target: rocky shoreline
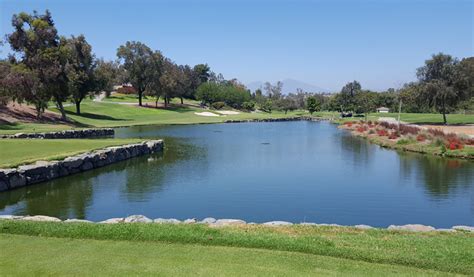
x: 296, y: 118
x: 41, y: 171
x: 210, y: 221
x: 66, y: 134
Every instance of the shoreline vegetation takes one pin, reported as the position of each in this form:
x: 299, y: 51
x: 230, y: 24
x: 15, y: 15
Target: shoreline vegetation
x: 441, y: 252
x: 411, y: 138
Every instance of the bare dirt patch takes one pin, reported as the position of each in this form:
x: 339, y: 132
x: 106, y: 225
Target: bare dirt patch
x: 14, y: 112
x: 461, y: 129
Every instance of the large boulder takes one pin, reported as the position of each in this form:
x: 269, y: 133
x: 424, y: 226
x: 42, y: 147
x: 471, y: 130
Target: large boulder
x: 229, y: 222
x: 77, y: 221
x: 137, y: 218
x: 464, y: 228
x: 412, y: 227
x: 277, y: 223
x: 113, y: 220
x: 41, y: 218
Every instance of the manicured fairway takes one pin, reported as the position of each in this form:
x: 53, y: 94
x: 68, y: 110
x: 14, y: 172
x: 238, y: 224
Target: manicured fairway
x: 27, y: 256
x: 20, y: 151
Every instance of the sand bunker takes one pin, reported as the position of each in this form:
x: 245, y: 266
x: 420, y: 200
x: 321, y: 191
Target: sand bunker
x: 206, y: 114
x: 227, y: 112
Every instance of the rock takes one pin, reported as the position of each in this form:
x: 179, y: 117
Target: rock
x: 464, y: 228
x: 277, y: 223
x: 190, y: 221
x: 308, y: 224
x: 329, y: 225
x: 17, y: 180
x: 208, y: 220
x: 137, y: 218
x: 113, y: 220
x: 445, y: 230
x: 11, y: 217
x: 167, y: 221
x: 362, y: 226
x: 41, y: 218
x: 412, y: 227
x: 77, y: 221
x: 4, y: 185
x: 227, y: 222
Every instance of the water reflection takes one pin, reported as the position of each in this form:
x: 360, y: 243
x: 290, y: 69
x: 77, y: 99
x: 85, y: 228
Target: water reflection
x: 439, y: 176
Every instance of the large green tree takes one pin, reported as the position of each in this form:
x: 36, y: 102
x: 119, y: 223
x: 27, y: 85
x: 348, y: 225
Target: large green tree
x: 44, y: 54
x: 141, y: 65
x: 441, y: 87
x: 348, y: 96
x: 81, y: 71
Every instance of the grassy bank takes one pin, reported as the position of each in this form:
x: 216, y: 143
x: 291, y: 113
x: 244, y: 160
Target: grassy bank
x: 413, y: 139
x: 22, y: 151
x: 100, y: 114
x: 442, y: 252
x: 26, y: 255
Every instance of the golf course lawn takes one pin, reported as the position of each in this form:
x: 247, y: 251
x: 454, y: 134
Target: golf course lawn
x: 103, y: 114
x: 26, y: 256
x: 23, y: 151
x: 209, y: 250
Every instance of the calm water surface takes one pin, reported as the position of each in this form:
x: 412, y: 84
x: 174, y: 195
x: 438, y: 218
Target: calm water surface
x: 293, y: 171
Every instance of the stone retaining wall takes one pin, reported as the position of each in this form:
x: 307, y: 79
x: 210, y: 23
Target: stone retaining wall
x: 230, y: 222
x: 44, y: 171
x: 67, y: 134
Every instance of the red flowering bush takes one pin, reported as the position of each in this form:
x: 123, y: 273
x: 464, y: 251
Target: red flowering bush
x: 348, y: 123
x: 453, y: 142
x: 421, y: 137
x: 393, y: 135
x: 382, y: 133
x: 361, y: 129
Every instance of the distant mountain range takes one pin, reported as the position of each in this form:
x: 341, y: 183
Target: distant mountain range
x: 289, y: 86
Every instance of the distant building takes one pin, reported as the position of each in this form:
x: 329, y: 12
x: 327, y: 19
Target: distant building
x: 383, y: 110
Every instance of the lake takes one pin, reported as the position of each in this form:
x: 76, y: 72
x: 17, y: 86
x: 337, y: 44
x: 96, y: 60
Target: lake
x: 293, y: 171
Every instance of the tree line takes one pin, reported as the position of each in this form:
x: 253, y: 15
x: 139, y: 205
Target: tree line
x: 46, y: 66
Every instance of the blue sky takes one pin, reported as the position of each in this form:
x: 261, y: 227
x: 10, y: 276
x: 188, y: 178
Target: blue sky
x: 325, y: 43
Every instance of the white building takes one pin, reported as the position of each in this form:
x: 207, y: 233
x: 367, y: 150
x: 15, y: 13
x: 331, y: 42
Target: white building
x: 383, y: 110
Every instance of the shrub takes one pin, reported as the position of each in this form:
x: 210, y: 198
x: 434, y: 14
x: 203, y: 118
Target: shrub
x: 403, y: 141
x: 439, y: 142
x: 436, y: 132
x: 453, y: 142
x: 371, y: 131
x: 348, y: 123
x: 421, y: 137
x: 218, y: 105
x: 406, y: 129
x: 361, y: 128
x: 393, y: 135
x: 127, y: 90
x: 248, y: 106
x: 267, y: 106
x: 382, y: 133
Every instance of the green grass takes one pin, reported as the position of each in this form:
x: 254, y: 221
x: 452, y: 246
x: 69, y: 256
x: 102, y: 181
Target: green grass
x: 14, y: 152
x: 443, y: 252
x: 28, y: 256
x: 428, y: 118
x: 132, y: 98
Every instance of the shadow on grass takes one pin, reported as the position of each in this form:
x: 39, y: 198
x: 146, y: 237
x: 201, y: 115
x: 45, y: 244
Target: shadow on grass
x: 95, y: 116
x: 172, y: 107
